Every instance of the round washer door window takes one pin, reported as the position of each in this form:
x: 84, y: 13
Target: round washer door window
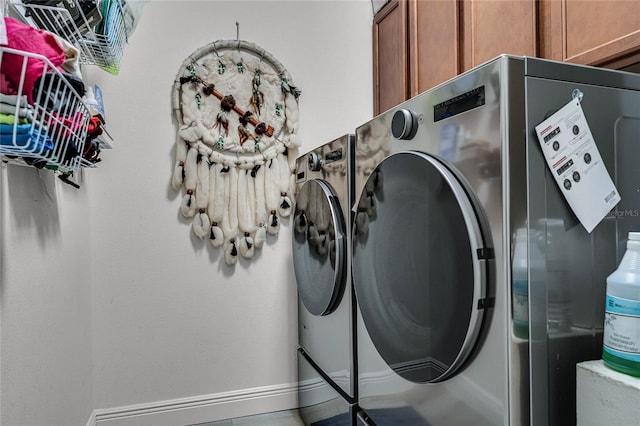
x: 418, y: 266
x: 319, y: 247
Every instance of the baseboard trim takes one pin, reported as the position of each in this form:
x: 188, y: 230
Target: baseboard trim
x: 92, y: 419
x: 200, y: 409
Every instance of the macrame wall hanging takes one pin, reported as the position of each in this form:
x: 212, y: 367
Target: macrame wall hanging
x: 237, y: 114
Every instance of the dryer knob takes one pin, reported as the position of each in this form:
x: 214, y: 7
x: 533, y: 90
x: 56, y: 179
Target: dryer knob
x: 404, y: 124
x: 315, y: 162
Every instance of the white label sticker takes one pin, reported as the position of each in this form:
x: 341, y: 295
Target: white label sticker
x: 575, y: 163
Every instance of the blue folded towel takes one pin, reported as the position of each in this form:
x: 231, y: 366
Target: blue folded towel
x: 26, y: 139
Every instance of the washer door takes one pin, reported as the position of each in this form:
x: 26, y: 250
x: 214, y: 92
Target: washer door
x: 319, y: 247
x: 419, y: 266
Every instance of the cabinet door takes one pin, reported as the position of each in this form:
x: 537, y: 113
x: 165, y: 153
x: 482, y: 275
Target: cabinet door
x: 390, y: 73
x: 434, y: 43
x: 494, y: 27
x: 603, y: 33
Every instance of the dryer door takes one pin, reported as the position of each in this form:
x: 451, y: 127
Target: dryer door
x: 319, y: 247
x: 420, y: 266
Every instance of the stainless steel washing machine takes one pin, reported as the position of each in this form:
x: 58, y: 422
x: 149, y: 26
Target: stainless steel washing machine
x: 322, y: 263
x: 444, y: 183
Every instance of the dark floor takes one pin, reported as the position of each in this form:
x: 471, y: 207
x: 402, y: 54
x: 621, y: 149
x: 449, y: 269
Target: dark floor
x: 279, y: 418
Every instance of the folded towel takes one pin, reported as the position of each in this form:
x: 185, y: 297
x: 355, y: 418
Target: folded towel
x: 25, y: 138
x: 20, y: 128
x: 14, y: 100
x: 27, y: 112
x: 11, y: 119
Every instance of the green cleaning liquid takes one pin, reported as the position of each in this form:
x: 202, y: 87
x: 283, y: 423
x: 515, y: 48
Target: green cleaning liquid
x: 520, y: 285
x: 621, y: 350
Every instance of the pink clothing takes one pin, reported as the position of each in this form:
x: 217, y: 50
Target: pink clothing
x: 28, y: 39
x: 6, y: 87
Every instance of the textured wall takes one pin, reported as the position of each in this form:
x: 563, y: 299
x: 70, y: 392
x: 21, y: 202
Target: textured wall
x: 45, y: 296
x: 107, y: 298
x: 170, y: 318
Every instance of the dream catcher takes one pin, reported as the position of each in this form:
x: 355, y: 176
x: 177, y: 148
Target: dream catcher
x: 237, y: 114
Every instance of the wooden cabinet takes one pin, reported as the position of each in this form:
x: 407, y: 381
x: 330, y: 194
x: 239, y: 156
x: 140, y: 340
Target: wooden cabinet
x: 415, y: 47
x: 493, y: 27
x: 601, y: 33
x: 421, y: 43
x: 390, y: 53
x: 434, y: 43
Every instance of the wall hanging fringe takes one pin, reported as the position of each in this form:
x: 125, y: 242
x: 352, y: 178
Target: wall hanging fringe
x: 236, y: 110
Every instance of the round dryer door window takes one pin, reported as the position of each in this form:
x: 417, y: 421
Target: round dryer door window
x: 419, y: 266
x: 319, y: 247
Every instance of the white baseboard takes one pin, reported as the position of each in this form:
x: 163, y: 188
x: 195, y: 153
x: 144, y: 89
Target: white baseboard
x: 92, y: 419
x: 200, y: 409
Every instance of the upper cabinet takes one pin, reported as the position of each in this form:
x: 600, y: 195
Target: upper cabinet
x: 418, y: 44
x: 415, y: 46
x: 600, y: 33
x: 421, y: 43
x: 434, y: 43
x: 493, y: 27
x: 390, y: 53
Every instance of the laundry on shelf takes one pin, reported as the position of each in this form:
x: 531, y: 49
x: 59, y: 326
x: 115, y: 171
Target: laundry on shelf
x: 41, y: 101
x: 99, y: 28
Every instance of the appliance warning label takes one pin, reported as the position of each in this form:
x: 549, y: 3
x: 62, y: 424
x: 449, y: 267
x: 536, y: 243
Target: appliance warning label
x: 575, y: 163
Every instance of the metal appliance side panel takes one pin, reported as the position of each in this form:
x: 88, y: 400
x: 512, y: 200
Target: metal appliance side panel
x: 515, y: 211
x: 320, y: 336
x: 567, y: 283
x: 581, y: 74
x: 318, y: 401
x: 479, y: 394
x: 362, y: 419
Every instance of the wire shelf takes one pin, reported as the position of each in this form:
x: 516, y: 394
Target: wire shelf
x: 97, y: 31
x: 44, y: 127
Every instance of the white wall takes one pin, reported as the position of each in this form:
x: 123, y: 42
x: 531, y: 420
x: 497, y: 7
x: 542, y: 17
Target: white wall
x: 45, y: 296
x: 170, y: 319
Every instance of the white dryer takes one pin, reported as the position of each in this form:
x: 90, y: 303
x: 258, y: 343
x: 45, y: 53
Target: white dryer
x: 322, y: 263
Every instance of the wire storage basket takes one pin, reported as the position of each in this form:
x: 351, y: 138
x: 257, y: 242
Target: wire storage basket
x: 44, y: 120
x: 96, y: 28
